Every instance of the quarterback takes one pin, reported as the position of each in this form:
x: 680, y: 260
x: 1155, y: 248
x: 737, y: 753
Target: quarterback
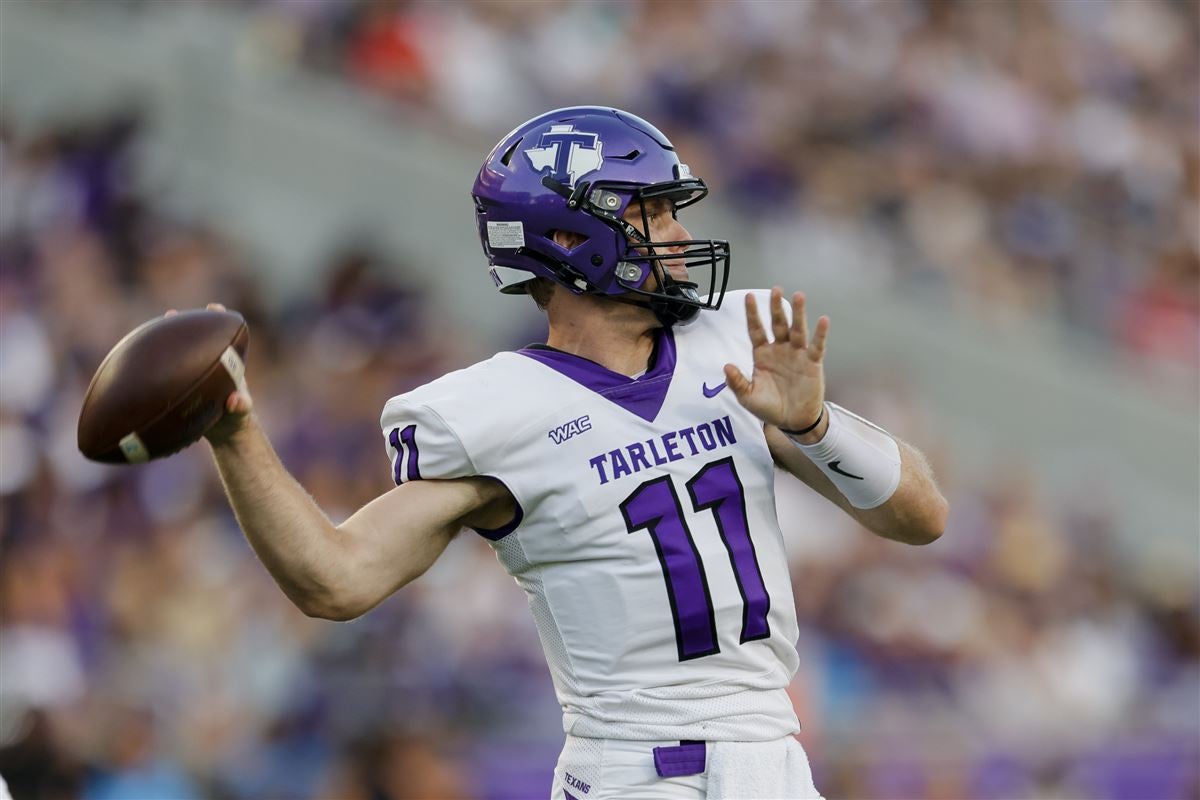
x: 622, y: 471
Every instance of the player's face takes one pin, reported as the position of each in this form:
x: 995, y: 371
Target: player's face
x: 663, y: 227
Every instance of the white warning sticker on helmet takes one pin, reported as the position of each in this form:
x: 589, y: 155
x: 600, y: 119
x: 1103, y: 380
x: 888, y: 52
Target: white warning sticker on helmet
x: 506, y: 235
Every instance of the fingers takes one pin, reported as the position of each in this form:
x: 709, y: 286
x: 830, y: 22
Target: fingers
x: 779, y: 323
x: 758, y: 335
x: 799, y: 331
x: 238, y: 403
x: 817, y: 350
x: 796, y: 332
x: 211, y: 307
x: 736, y: 380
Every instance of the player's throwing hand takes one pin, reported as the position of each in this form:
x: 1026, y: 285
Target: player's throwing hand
x: 787, y: 388
x: 237, y: 406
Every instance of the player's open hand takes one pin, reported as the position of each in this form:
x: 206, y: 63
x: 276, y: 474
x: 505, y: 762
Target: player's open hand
x: 787, y: 388
x: 237, y: 406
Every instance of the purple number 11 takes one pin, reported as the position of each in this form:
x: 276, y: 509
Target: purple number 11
x: 654, y: 506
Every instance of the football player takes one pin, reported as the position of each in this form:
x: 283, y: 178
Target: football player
x: 623, y: 471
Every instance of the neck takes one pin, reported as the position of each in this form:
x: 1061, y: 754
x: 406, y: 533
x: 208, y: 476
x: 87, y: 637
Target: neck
x: 616, y: 336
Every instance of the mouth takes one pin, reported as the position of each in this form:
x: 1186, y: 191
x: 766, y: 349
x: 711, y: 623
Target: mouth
x: 677, y: 268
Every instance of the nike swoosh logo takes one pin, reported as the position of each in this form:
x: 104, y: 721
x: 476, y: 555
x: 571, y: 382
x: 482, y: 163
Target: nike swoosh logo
x: 833, y: 465
x: 714, y: 391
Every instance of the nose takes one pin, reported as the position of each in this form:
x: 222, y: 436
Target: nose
x: 677, y: 233
x: 676, y: 266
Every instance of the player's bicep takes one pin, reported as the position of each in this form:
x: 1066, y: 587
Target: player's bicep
x: 398, y: 535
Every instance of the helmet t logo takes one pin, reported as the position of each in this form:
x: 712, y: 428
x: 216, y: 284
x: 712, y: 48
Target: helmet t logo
x: 567, y: 154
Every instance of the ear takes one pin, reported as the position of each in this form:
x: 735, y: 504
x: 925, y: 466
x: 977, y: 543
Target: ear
x: 568, y: 240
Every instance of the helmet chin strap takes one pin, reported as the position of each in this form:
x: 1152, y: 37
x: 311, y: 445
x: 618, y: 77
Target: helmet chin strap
x: 665, y: 310
x: 670, y: 311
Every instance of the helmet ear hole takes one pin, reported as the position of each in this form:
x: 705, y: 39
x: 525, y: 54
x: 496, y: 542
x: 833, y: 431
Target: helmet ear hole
x: 567, y: 240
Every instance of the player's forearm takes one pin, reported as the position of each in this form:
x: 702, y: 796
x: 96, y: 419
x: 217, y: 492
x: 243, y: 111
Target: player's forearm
x: 915, y: 513
x: 292, y: 536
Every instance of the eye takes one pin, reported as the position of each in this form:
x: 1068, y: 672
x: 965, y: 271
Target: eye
x: 660, y: 211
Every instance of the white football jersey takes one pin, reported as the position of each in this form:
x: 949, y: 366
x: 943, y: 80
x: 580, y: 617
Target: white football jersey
x: 646, y: 538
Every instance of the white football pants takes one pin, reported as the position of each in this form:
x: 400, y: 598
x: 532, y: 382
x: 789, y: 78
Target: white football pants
x: 602, y: 769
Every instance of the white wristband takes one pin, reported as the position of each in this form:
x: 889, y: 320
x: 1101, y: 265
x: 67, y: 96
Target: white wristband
x: 862, y: 459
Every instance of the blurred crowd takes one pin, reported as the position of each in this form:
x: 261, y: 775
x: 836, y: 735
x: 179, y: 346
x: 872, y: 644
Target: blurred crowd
x: 1037, y: 155
x: 145, y: 653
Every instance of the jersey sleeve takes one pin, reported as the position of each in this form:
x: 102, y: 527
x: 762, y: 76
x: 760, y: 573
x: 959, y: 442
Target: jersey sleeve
x: 420, y: 444
x: 729, y: 327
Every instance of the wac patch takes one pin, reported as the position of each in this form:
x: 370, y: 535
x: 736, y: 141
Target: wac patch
x: 573, y: 428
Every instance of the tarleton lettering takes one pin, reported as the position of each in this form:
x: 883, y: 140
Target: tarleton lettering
x: 632, y: 458
x: 620, y: 467
x: 637, y: 456
x: 671, y: 445
x: 724, y: 429
x: 597, y: 463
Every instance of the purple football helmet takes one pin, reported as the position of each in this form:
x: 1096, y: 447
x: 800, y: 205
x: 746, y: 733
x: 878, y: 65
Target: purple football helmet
x: 578, y: 170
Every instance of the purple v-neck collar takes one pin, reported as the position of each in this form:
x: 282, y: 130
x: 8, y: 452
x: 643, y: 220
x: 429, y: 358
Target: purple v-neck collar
x: 643, y: 396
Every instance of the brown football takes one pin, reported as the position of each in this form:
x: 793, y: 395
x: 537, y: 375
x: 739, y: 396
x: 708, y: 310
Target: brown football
x: 162, y: 386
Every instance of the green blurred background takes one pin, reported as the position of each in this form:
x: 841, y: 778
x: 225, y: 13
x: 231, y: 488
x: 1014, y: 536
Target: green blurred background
x: 997, y: 203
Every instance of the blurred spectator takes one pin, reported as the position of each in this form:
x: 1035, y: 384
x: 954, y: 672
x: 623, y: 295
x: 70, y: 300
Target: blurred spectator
x: 1039, y: 154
